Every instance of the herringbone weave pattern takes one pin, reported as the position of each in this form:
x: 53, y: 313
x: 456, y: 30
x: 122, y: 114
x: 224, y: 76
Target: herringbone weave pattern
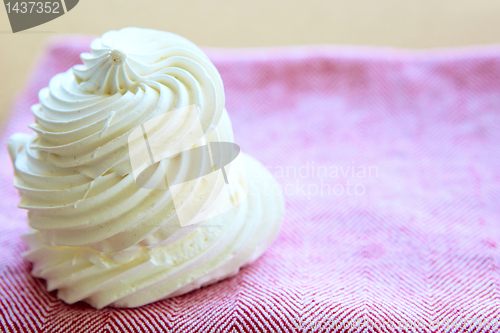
x: 390, y: 164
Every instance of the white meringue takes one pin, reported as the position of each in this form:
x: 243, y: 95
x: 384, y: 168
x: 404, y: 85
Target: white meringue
x: 98, y: 236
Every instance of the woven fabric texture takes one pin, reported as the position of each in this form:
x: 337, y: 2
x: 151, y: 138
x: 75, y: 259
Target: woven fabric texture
x: 390, y: 165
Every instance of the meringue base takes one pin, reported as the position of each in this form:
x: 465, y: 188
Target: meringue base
x: 214, y: 250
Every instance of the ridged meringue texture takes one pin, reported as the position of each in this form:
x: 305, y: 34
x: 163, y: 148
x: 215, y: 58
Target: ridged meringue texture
x: 96, y: 235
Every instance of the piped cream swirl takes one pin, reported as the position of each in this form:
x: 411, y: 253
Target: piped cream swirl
x: 98, y: 236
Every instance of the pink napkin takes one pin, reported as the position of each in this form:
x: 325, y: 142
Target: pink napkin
x: 390, y: 165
